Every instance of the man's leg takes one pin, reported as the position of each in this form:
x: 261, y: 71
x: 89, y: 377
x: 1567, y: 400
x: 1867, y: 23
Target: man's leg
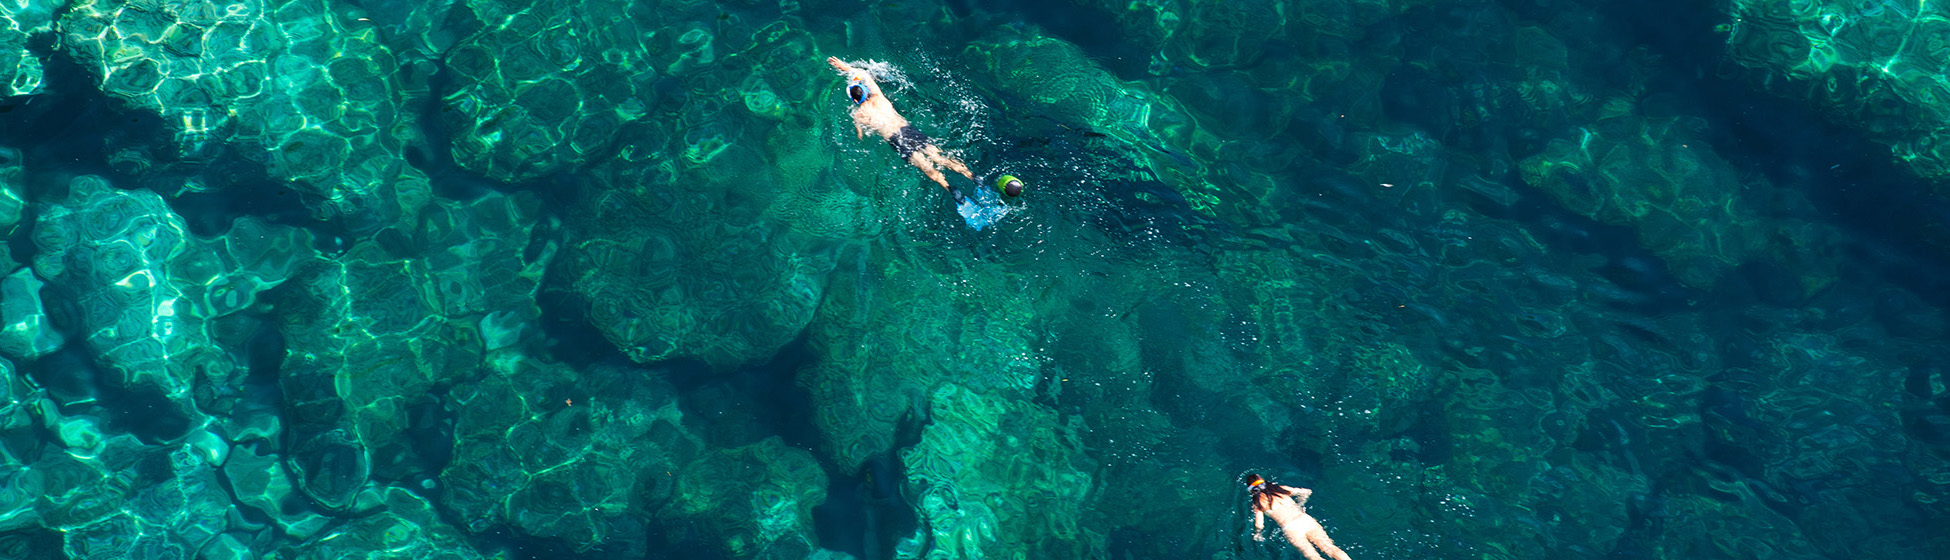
x: 920, y: 160
x: 949, y: 162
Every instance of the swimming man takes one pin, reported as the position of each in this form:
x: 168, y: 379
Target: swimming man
x: 1272, y: 500
x: 872, y: 111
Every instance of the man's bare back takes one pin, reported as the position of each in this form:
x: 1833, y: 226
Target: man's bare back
x: 873, y: 111
x: 1287, y: 506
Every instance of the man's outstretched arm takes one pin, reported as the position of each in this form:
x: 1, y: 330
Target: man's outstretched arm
x: 838, y: 64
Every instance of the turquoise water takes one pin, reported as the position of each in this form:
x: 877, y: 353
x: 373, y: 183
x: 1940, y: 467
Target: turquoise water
x: 472, y: 279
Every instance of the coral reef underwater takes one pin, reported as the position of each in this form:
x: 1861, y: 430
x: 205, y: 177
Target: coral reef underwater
x: 602, y: 279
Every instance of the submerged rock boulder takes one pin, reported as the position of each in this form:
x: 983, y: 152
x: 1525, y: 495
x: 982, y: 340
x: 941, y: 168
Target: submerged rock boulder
x: 304, y: 86
x: 753, y: 501
x: 20, y: 67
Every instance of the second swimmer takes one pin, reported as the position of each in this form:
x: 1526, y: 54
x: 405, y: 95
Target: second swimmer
x: 1288, y: 507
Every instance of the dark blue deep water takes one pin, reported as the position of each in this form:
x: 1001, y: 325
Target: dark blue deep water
x: 457, y: 279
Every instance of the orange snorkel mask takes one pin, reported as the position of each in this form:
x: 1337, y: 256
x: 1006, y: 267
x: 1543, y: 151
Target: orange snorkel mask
x: 1255, y: 483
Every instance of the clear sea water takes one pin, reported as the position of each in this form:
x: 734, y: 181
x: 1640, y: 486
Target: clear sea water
x: 602, y: 279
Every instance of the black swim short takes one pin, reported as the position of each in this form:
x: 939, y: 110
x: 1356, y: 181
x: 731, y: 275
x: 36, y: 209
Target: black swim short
x: 907, y: 141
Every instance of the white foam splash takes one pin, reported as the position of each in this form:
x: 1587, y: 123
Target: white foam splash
x: 885, y: 73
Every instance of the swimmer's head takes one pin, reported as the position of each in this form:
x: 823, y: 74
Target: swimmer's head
x: 1254, y: 482
x: 859, y: 86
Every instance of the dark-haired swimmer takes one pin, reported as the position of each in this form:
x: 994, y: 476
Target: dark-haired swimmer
x: 1288, y: 507
x: 872, y: 111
